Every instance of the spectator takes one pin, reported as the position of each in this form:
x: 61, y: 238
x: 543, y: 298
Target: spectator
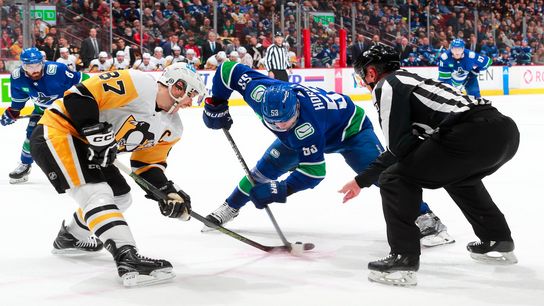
x: 3, y: 68
x: 131, y: 12
x: 404, y: 49
x: 358, y: 47
x: 172, y: 42
x: 192, y: 45
x: 17, y: 47
x: 50, y: 49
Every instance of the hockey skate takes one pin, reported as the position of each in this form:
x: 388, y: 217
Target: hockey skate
x: 395, y: 269
x: 67, y: 244
x: 137, y: 270
x: 20, y: 174
x: 433, y: 231
x: 493, y: 252
x: 220, y: 216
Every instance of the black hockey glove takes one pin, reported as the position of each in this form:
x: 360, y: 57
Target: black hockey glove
x: 216, y: 114
x: 178, y: 204
x: 102, y: 143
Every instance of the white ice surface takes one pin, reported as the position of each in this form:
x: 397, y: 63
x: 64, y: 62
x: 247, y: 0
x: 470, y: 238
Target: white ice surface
x: 215, y: 269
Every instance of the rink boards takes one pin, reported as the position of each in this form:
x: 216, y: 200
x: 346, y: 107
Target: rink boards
x: 497, y: 80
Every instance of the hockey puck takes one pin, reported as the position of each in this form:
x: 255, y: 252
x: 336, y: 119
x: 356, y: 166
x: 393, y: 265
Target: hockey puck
x: 297, y: 248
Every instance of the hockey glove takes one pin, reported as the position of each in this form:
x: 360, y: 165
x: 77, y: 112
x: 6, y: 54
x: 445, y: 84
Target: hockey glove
x: 102, y: 144
x: 178, y: 204
x: 216, y: 114
x: 9, y: 116
x: 264, y: 194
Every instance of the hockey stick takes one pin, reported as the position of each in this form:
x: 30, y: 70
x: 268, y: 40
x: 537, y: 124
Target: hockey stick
x: 161, y: 195
x: 305, y: 246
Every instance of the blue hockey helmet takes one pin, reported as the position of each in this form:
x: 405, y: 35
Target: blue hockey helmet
x: 457, y: 43
x: 279, y: 105
x: 31, y: 56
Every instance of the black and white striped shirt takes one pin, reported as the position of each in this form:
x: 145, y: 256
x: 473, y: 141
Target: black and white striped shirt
x: 276, y: 58
x: 411, y: 109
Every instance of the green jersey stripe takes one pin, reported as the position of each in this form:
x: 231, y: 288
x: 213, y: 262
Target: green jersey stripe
x: 226, y: 72
x: 355, y: 123
x: 313, y: 170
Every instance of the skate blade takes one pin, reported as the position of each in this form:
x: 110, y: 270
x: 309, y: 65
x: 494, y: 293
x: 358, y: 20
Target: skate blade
x: 396, y: 278
x: 73, y: 252
x: 18, y: 180
x: 496, y: 258
x: 134, y: 279
x: 441, y: 238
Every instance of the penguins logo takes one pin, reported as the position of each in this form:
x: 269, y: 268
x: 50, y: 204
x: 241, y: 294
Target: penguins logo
x: 136, y: 135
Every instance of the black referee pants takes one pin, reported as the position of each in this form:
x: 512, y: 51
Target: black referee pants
x: 280, y: 75
x: 456, y: 159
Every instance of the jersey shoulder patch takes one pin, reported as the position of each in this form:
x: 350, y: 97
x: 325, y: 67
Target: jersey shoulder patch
x: 16, y: 73
x: 471, y: 54
x: 444, y: 56
x: 51, y: 69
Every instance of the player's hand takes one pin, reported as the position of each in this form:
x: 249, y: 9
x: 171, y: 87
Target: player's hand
x: 102, y: 148
x: 350, y: 191
x: 9, y: 116
x: 216, y: 117
x: 178, y: 204
x: 264, y: 194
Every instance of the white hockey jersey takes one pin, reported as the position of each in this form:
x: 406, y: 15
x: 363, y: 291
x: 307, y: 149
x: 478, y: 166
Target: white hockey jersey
x: 126, y: 99
x: 70, y: 62
x: 97, y: 66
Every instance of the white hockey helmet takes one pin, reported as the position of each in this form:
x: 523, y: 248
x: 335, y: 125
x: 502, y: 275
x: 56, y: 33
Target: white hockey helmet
x: 185, y: 76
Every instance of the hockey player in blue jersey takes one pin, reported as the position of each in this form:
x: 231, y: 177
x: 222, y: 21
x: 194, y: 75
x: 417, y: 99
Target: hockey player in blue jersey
x: 42, y: 83
x: 308, y: 123
x: 460, y: 67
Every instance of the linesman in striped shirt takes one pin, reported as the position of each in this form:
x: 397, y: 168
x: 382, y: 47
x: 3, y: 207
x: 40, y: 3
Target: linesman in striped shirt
x: 277, y: 61
x: 436, y: 137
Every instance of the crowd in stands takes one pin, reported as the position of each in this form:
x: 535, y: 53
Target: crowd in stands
x: 182, y: 30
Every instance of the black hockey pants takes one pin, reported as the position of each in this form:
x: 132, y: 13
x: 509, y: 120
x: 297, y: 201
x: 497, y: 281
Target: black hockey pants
x: 456, y: 159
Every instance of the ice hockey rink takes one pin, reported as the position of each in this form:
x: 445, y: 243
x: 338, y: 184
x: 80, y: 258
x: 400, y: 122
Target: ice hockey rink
x: 215, y: 269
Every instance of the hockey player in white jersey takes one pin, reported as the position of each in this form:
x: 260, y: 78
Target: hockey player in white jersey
x: 158, y: 58
x: 78, y: 139
x: 176, y: 56
x: 101, y: 64
x: 67, y: 59
x: 145, y: 63
x: 121, y: 61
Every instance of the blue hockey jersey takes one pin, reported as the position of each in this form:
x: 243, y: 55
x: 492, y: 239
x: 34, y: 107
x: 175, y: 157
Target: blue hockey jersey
x: 325, y: 120
x: 55, y: 80
x: 457, y: 72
